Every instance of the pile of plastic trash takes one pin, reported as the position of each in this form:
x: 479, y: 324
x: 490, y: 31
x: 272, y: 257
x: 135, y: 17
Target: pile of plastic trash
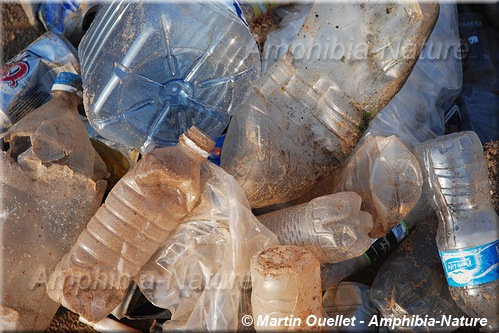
x: 157, y: 167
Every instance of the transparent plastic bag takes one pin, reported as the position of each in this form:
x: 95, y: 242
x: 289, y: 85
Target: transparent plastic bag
x: 202, y: 268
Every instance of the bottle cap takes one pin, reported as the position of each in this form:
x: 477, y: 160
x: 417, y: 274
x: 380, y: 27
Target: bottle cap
x: 68, y: 82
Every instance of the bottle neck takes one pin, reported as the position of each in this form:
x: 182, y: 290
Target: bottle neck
x: 197, y: 142
x: 67, y: 96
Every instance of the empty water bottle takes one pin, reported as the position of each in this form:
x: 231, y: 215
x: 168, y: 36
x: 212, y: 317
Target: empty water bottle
x: 138, y: 215
x: 411, y: 284
x: 151, y: 70
x: 331, y: 227
x: 388, y: 178
x: 332, y: 274
x: 468, y: 231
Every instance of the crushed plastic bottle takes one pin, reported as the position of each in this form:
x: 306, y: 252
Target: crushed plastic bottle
x: 26, y: 80
x: 332, y: 274
x: 286, y: 284
x: 332, y: 227
x: 305, y: 115
x: 388, y: 178
x: 137, y: 217
x: 468, y: 231
x: 52, y: 183
x: 151, y: 70
x: 411, y: 283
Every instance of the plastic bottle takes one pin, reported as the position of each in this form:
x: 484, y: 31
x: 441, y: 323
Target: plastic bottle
x: 468, y: 230
x: 27, y: 79
x: 306, y: 113
x: 138, y: 215
x: 52, y: 183
x: 388, y: 178
x: 350, y: 299
x: 70, y: 18
x: 332, y: 274
x: 416, y: 114
x: 151, y: 70
x: 331, y: 227
x: 200, y: 271
x: 411, y: 283
x: 286, y: 285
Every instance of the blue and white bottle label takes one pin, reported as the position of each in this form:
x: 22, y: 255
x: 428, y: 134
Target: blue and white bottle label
x: 472, y: 266
x: 400, y: 231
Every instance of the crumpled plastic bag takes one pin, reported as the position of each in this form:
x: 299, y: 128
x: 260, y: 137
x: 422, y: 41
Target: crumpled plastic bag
x: 200, y: 272
x: 388, y: 178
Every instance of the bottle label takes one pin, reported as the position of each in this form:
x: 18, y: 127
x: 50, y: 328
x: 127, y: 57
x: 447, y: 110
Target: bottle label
x: 400, y: 231
x: 381, y: 246
x: 471, y: 266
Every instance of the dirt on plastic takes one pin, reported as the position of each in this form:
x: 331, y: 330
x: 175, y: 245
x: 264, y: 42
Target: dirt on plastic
x: 17, y: 33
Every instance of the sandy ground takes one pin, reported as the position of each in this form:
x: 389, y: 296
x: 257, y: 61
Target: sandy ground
x: 17, y: 33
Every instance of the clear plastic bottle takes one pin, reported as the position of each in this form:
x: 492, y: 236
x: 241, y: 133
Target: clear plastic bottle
x: 52, y: 183
x: 286, y: 285
x: 151, y: 70
x: 138, y: 215
x: 411, y: 283
x: 331, y: 227
x: 332, y: 274
x: 388, y: 178
x: 306, y: 113
x: 468, y: 231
